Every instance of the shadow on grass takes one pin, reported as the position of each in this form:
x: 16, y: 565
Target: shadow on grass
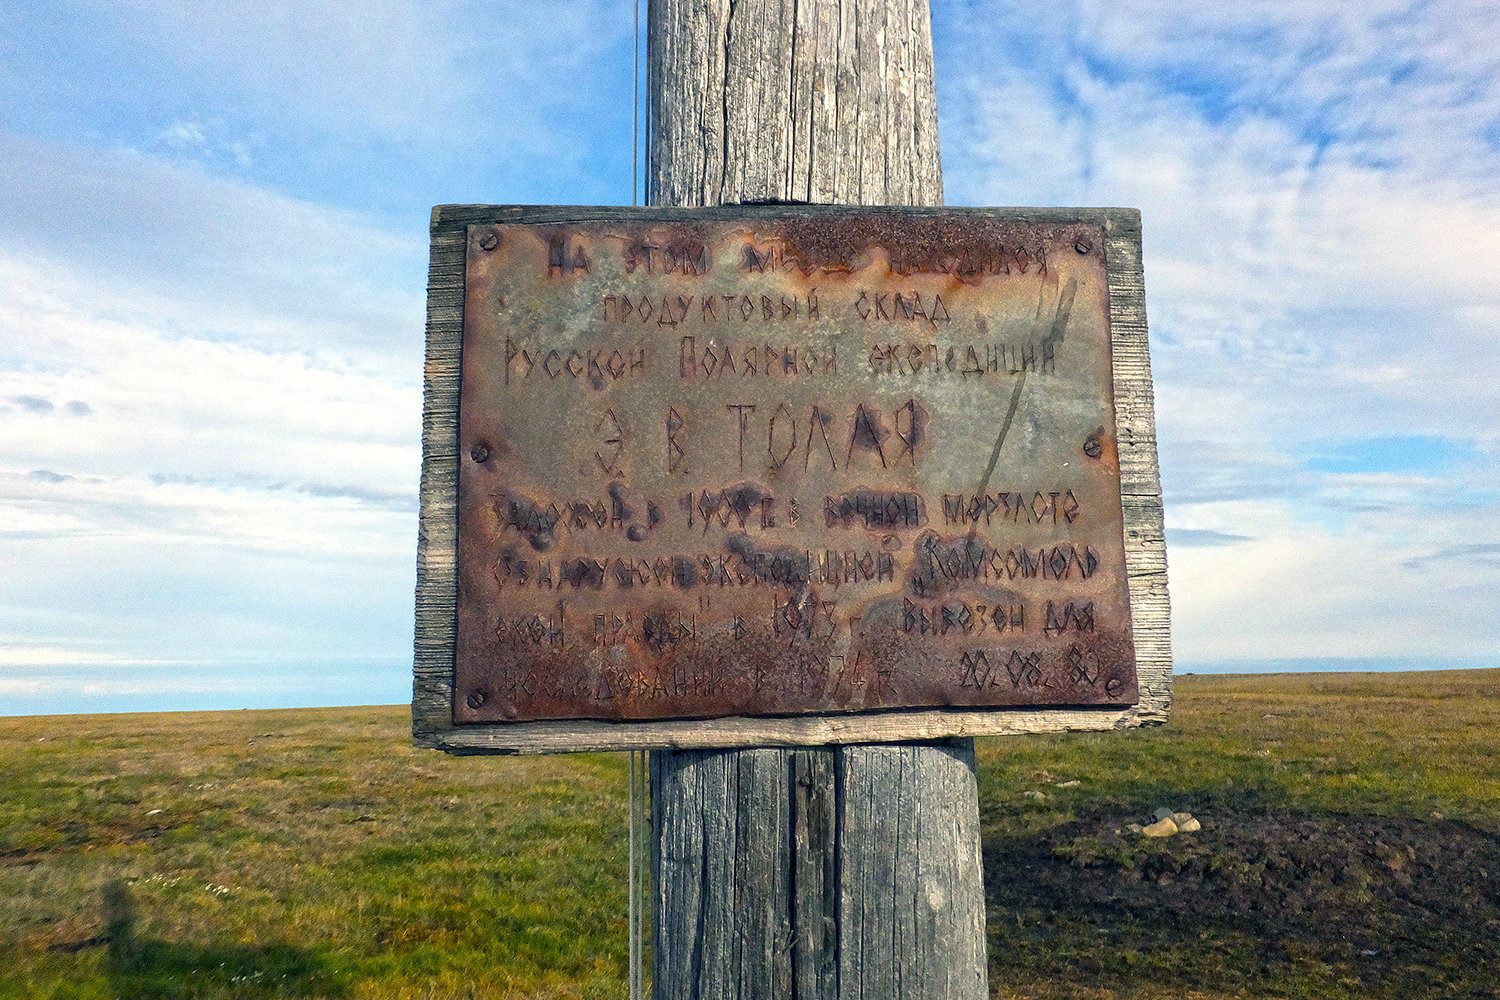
x: 144, y: 967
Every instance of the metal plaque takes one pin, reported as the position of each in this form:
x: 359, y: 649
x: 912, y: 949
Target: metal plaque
x: 774, y: 465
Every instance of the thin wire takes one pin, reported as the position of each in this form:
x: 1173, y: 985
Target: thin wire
x: 635, y: 113
x: 648, y: 192
x: 642, y: 799
x: 634, y: 903
x: 633, y: 867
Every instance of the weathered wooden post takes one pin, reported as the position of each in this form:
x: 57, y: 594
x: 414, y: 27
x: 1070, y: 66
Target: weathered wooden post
x: 791, y: 459
x: 844, y: 871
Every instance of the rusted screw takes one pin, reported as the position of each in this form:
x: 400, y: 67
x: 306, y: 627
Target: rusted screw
x: 475, y: 699
x: 1083, y: 246
x: 488, y: 242
x: 480, y: 453
x: 1092, y: 448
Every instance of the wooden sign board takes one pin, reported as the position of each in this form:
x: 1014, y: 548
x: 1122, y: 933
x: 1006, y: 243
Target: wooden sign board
x: 785, y: 475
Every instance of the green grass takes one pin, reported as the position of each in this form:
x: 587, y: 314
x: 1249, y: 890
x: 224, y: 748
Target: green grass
x: 314, y: 853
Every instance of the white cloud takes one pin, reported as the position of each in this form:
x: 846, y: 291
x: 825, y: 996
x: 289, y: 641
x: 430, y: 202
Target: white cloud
x: 206, y: 142
x: 431, y: 73
x: 1395, y: 582
x: 208, y: 256
x: 177, y: 405
x: 209, y: 390
x: 24, y: 653
x: 217, y: 499
x: 211, y: 449
x: 1320, y: 189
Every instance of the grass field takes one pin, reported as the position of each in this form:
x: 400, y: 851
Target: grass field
x: 1350, y: 848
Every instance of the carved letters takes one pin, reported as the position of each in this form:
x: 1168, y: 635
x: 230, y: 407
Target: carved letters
x: 706, y: 470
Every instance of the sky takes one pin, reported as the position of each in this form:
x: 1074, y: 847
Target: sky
x: 213, y: 240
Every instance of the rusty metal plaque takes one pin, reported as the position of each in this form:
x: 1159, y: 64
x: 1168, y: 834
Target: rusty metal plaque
x: 777, y: 465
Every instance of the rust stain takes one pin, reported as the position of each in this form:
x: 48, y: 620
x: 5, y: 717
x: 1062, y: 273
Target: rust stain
x: 787, y: 465
x: 963, y: 247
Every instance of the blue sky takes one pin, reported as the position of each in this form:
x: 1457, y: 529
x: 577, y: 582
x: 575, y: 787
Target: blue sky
x: 212, y: 267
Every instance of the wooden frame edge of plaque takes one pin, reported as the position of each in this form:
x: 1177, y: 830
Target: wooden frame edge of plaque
x: 436, y: 592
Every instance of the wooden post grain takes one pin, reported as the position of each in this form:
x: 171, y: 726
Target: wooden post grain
x: 848, y: 872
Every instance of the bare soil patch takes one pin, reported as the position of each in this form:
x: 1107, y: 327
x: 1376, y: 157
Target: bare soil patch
x: 1400, y: 902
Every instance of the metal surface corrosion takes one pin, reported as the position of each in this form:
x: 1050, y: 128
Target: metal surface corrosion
x: 776, y: 466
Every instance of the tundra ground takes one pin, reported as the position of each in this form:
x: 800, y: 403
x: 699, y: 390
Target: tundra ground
x: 1350, y: 848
